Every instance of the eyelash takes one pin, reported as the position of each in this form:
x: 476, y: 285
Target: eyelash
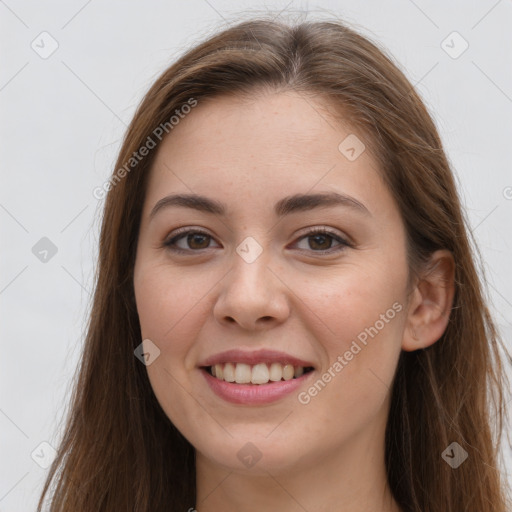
x: 179, y: 234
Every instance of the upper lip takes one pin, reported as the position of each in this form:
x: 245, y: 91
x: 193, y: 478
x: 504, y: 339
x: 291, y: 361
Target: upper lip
x: 254, y: 357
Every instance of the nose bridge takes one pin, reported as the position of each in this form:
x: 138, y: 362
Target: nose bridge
x: 250, y: 291
x: 250, y: 275
x: 250, y: 250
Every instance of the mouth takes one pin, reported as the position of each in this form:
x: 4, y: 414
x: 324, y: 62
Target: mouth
x: 256, y: 374
x: 255, y: 378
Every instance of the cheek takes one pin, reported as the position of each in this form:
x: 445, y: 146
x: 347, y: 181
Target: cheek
x: 359, y: 319
x: 354, y: 296
x: 165, y: 299
x: 361, y: 349
x: 169, y: 306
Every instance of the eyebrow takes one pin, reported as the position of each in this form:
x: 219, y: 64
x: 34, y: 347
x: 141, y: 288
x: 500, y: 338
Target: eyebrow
x: 285, y: 206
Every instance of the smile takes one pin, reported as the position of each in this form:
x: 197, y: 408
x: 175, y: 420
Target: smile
x: 251, y: 394
x: 261, y: 373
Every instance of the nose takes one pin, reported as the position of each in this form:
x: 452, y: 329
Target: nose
x: 252, y: 296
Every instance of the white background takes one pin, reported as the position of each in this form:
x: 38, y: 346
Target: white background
x: 62, y: 119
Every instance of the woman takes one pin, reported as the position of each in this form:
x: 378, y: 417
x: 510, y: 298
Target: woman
x: 287, y: 312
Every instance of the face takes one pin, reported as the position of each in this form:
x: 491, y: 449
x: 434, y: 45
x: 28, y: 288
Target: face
x: 273, y: 282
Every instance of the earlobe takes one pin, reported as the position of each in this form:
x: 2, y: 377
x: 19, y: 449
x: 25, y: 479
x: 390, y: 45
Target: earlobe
x: 431, y: 303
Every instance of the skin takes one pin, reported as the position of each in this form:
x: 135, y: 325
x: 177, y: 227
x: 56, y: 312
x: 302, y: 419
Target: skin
x: 327, y: 454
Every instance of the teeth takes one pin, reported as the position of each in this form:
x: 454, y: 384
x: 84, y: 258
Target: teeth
x: 260, y: 373
x: 276, y: 371
x: 242, y: 373
x: 298, y: 371
x: 219, y: 371
x: 288, y: 372
x: 229, y: 372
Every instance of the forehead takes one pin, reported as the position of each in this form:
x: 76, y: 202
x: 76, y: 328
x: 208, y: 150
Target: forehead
x: 273, y: 144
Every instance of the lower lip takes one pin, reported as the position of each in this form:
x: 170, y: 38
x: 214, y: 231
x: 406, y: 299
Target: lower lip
x: 253, y: 394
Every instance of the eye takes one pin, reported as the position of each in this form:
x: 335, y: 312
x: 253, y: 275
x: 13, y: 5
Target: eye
x: 191, y: 240
x: 320, y: 240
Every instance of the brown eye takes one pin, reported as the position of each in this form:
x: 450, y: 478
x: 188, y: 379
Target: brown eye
x: 197, y: 241
x: 321, y: 241
x: 189, y: 241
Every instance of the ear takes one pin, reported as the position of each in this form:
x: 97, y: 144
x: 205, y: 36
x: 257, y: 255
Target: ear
x: 430, y: 303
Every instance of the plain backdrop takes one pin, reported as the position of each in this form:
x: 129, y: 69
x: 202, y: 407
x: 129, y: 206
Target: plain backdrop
x: 71, y: 76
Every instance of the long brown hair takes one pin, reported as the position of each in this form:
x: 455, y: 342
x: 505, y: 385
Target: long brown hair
x: 121, y: 452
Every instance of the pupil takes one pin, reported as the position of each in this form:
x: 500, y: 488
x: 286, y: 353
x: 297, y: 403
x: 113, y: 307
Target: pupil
x: 321, y: 237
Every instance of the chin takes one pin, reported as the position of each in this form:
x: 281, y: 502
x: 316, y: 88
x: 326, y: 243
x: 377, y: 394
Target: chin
x: 255, y: 455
